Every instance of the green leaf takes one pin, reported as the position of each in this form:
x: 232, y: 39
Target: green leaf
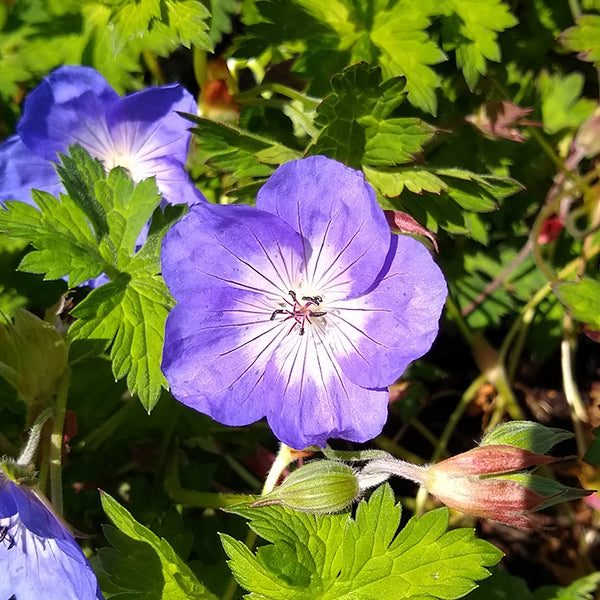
x: 584, y: 38
x: 338, y: 557
x: 580, y: 589
x: 406, y: 48
x: 355, y: 125
x: 527, y: 435
x: 562, y: 105
x: 471, y: 31
x: 61, y: 235
x: 184, y: 20
x: 142, y: 565
x: 446, y: 198
x: 582, y: 298
x: 91, y: 231
x: 128, y: 315
x: 592, y: 455
x: 244, y: 155
x: 502, y: 586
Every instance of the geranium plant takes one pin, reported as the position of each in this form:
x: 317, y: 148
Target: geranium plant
x: 323, y: 271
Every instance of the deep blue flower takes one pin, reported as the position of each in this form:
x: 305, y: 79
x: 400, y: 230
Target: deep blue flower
x: 302, y: 309
x: 39, y: 558
x: 141, y: 132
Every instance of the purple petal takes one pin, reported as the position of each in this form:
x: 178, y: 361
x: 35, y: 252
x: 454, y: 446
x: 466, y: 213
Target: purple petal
x: 375, y: 336
x: 310, y: 400
x: 335, y: 210
x: 172, y: 180
x: 36, y: 516
x: 231, y: 247
x: 8, y: 506
x: 21, y: 171
x: 146, y: 123
x: 227, y: 267
x: 38, y: 555
x: 67, y: 107
x: 33, y: 567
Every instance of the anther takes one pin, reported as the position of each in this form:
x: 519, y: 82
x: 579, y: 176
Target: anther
x: 278, y: 311
x: 4, y: 536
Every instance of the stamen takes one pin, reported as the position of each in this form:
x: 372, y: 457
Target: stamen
x: 4, y: 536
x: 300, y: 313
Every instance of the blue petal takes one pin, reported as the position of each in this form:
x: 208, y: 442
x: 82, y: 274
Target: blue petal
x: 67, y: 107
x: 8, y: 506
x: 36, y: 516
x: 21, y: 171
x: 147, y: 122
x: 38, y: 556
x: 375, y: 336
x: 34, y: 567
x: 228, y: 267
x: 346, y: 236
x: 310, y: 400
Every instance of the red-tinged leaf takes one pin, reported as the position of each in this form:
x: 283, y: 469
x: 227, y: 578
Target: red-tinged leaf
x: 402, y: 222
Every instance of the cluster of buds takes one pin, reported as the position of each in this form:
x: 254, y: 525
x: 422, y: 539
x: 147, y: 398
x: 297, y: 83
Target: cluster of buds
x: 492, y: 481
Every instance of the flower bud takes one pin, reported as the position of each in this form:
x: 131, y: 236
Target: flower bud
x: 320, y: 487
x: 33, y: 357
x: 465, y: 482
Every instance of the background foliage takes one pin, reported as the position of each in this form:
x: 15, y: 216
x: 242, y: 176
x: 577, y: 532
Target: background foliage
x: 479, y: 119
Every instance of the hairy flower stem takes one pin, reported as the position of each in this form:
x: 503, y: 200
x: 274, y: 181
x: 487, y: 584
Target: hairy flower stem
x: 56, y: 442
x: 28, y: 453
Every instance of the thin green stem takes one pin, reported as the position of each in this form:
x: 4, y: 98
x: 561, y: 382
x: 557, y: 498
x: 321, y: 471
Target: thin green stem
x: 455, y: 315
x: 194, y: 497
x: 457, y: 413
x: 56, y: 441
x: 576, y: 407
x: 575, y: 9
x: 277, y: 88
x: 153, y: 66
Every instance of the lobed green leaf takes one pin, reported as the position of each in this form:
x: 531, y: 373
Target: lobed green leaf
x: 337, y: 557
x: 141, y: 564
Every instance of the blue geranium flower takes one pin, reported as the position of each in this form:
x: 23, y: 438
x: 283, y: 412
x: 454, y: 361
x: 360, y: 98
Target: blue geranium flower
x: 141, y: 132
x: 303, y: 309
x: 38, y: 556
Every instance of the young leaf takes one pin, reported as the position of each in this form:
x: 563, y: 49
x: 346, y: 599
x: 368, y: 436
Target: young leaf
x: 338, y: 557
x: 356, y: 129
x: 582, y: 298
x: 127, y: 314
x: 185, y: 20
x: 60, y: 233
x: 472, y: 32
x: 141, y: 564
x: 562, y: 105
x: 584, y: 38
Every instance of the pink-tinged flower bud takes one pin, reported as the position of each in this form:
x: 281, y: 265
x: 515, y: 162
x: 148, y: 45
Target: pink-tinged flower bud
x: 488, y: 460
x: 482, y: 482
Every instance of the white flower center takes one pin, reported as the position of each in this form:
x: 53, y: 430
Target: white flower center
x: 121, y: 159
